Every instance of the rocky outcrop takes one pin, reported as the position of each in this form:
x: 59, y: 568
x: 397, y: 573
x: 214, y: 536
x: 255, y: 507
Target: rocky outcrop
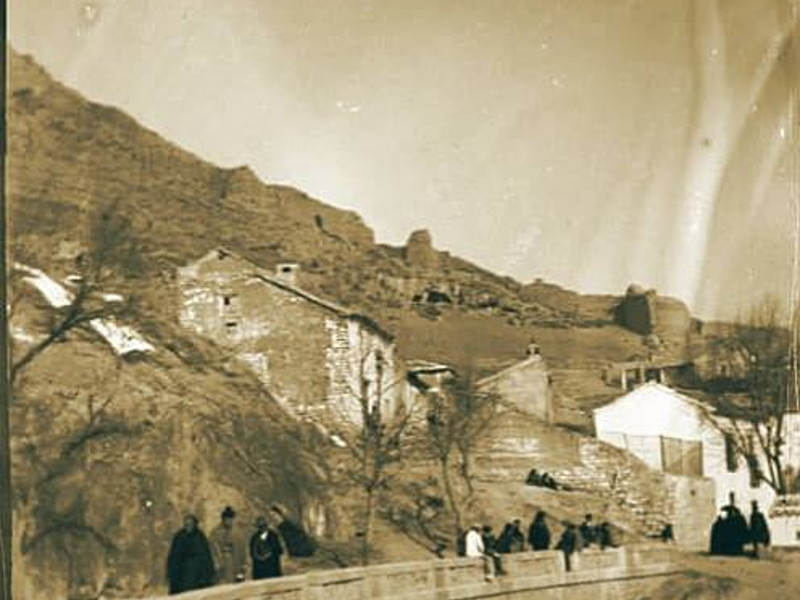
x: 419, y: 251
x: 666, y: 319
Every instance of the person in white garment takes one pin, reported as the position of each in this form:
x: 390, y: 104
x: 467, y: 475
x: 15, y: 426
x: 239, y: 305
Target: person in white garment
x: 474, y: 543
x: 474, y: 548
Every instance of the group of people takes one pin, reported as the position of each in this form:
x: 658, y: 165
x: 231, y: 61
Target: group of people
x: 480, y: 541
x: 541, y: 480
x: 196, y: 561
x: 731, y: 532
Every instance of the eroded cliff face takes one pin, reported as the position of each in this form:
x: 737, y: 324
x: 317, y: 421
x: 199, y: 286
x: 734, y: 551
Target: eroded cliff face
x: 109, y: 452
x: 71, y: 155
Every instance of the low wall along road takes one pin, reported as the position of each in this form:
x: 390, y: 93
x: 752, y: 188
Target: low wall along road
x: 618, y: 574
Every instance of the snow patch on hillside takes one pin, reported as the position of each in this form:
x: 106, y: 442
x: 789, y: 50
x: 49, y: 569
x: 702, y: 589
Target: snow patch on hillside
x: 122, y: 338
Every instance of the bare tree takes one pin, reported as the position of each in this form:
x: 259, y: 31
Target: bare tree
x: 110, y: 245
x: 111, y: 252
x: 371, y: 429
x: 767, y: 389
x: 458, y: 418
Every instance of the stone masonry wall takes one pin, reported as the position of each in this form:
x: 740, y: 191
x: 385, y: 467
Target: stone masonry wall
x: 278, y: 334
x: 651, y: 498
x: 352, y: 355
x: 526, y: 386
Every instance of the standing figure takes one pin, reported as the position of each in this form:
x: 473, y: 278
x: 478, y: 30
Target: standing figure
x: 759, y: 530
x: 190, y: 565
x: 718, y: 535
x: 568, y: 544
x: 265, y: 551
x: 227, y: 550
x: 588, y: 532
x: 737, y: 531
x: 539, y: 533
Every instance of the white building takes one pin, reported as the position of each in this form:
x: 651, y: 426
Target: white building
x: 682, y: 436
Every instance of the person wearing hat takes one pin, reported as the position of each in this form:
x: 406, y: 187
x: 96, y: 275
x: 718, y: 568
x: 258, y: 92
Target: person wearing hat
x: 228, y: 549
x: 265, y: 551
x: 190, y: 565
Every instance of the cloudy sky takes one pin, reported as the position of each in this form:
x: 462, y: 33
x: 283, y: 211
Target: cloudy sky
x: 592, y: 143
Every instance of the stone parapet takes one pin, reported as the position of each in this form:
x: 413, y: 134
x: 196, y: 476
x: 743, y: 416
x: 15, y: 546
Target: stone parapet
x: 539, y: 574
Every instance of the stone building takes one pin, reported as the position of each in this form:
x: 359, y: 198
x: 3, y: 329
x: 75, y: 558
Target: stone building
x: 684, y: 437
x: 524, y: 385
x: 318, y: 359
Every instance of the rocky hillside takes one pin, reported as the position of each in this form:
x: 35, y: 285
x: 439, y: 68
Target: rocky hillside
x: 108, y: 449
x: 70, y: 158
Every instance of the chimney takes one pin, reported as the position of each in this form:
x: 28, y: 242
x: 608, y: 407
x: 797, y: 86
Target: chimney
x: 287, y: 272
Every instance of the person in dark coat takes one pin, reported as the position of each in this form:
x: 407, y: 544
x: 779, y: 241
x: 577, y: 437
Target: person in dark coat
x: 533, y: 478
x: 717, y: 545
x: 588, y: 532
x: 512, y: 539
x: 298, y: 542
x: 461, y: 543
x: 265, y: 551
x: 568, y: 544
x: 737, y: 531
x: 667, y: 534
x: 490, y: 549
x: 605, y: 536
x: 549, y: 482
x: 504, y: 541
x: 759, y: 530
x: 539, y: 533
x: 190, y: 565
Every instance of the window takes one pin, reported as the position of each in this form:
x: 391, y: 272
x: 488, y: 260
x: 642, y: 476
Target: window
x: 230, y: 301
x: 755, y: 471
x: 731, y: 460
x: 692, y: 458
x: 681, y: 457
x: 231, y: 327
x: 752, y: 463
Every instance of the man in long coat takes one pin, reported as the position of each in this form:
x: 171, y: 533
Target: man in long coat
x: 569, y: 543
x: 717, y: 537
x: 539, y: 533
x: 227, y: 549
x: 265, y: 551
x: 190, y: 565
x: 759, y: 530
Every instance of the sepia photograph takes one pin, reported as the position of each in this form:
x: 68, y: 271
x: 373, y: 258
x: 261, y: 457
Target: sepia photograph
x: 400, y: 300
